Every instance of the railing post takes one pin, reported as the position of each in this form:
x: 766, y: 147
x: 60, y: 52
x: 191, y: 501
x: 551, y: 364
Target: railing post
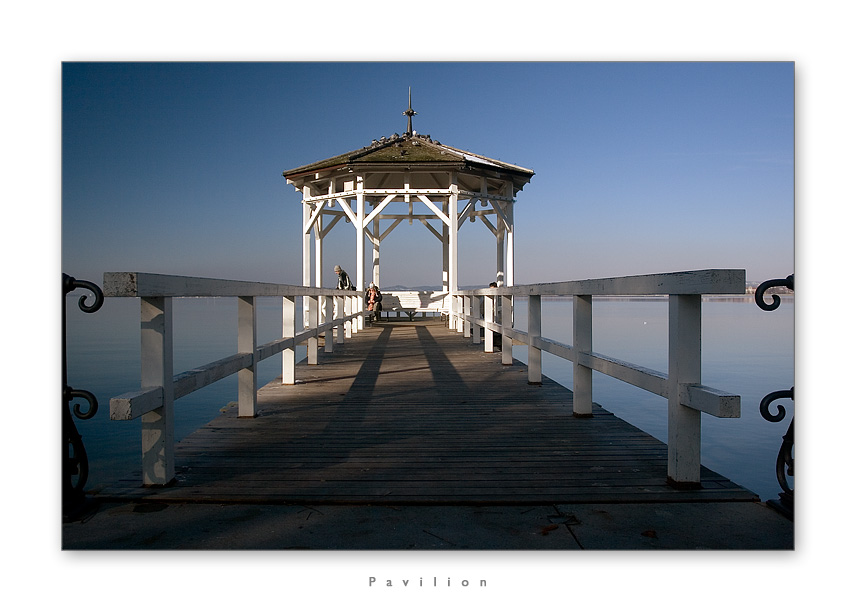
x: 582, y: 344
x: 459, y: 309
x: 312, y: 341
x: 534, y: 331
x: 468, y: 312
x: 328, y: 317
x: 507, y: 318
x: 478, y: 304
x: 288, y: 355
x: 158, y: 427
x: 684, y: 428
x: 247, y: 377
x: 340, y: 329
x: 488, y: 317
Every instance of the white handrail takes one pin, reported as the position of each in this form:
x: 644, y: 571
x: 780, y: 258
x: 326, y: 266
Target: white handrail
x: 159, y: 388
x: 687, y: 397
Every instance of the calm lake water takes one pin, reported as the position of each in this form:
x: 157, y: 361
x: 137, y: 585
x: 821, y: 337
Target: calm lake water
x: 744, y: 350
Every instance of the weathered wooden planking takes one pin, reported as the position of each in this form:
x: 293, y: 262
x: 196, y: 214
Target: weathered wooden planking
x: 411, y: 412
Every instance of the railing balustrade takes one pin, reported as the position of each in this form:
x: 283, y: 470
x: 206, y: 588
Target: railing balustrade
x: 159, y: 388
x: 681, y: 385
x: 75, y: 470
x: 785, y: 457
x: 687, y: 397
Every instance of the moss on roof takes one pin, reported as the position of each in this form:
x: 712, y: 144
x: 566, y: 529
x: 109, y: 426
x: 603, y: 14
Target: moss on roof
x: 406, y: 149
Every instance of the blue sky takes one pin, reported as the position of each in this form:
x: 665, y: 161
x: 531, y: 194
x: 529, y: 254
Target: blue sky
x: 640, y: 167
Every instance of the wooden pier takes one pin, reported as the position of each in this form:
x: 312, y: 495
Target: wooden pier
x: 414, y: 413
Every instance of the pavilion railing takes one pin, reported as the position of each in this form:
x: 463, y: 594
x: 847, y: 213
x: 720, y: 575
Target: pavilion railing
x: 681, y: 385
x: 159, y: 388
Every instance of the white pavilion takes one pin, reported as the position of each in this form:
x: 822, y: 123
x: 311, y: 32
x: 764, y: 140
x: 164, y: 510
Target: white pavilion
x: 408, y: 177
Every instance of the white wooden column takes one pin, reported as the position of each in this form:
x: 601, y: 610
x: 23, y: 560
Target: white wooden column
x: 376, y: 252
x: 582, y: 344
x: 247, y: 377
x: 684, y: 429
x: 158, y: 426
x: 500, y: 253
x: 307, y: 252
x: 534, y: 331
x: 509, y: 239
x: 319, y: 251
x: 452, y: 214
x: 445, y: 239
x: 288, y: 330
x: 361, y: 247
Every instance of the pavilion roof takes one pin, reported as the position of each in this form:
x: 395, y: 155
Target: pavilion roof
x: 411, y: 151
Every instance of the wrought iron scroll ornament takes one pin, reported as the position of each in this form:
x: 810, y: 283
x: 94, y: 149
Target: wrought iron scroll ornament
x: 776, y: 300
x: 75, y: 463
x: 785, y: 458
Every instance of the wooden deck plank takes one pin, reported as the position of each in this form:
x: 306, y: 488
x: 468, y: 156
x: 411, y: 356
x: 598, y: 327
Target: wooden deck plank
x: 411, y: 412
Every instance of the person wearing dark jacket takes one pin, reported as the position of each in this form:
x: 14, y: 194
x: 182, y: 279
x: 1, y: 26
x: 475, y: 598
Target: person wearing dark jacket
x: 343, y: 280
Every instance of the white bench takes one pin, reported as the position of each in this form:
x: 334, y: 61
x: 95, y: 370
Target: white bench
x: 411, y: 302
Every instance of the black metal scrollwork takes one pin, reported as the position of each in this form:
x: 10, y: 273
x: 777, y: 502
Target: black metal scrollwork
x: 76, y: 463
x: 785, y: 458
x: 766, y: 285
x: 780, y: 411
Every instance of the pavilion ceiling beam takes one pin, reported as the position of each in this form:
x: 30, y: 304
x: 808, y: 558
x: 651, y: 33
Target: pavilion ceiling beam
x: 377, y: 209
x: 433, y: 231
x: 390, y: 228
x: 330, y: 225
x: 490, y: 225
x: 346, y: 207
x: 436, y: 210
x: 313, y: 217
x: 500, y: 213
x: 468, y: 210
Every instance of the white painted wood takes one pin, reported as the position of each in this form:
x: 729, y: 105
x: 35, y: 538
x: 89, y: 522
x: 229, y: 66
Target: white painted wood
x: 467, y: 313
x: 507, y: 359
x: 644, y: 378
x: 452, y: 207
x: 712, y: 401
x: 312, y: 342
x: 135, y: 404
x: 696, y: 282
x: 582, y: 343
x: 509, y: 238
x: 248, y: 376
x: 684, y: 426
x: 534, y: 331
x: 192, y: 380
x: 376, y: 254
x: 329, y: 341
x: 340, y: 329
x: 361, y: 246
x: 158, y: 425
x: 488, y: 329
x: 478, y: 306
x: 288, y: 330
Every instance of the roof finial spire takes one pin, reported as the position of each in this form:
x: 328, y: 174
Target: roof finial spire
x: 409, y: 112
